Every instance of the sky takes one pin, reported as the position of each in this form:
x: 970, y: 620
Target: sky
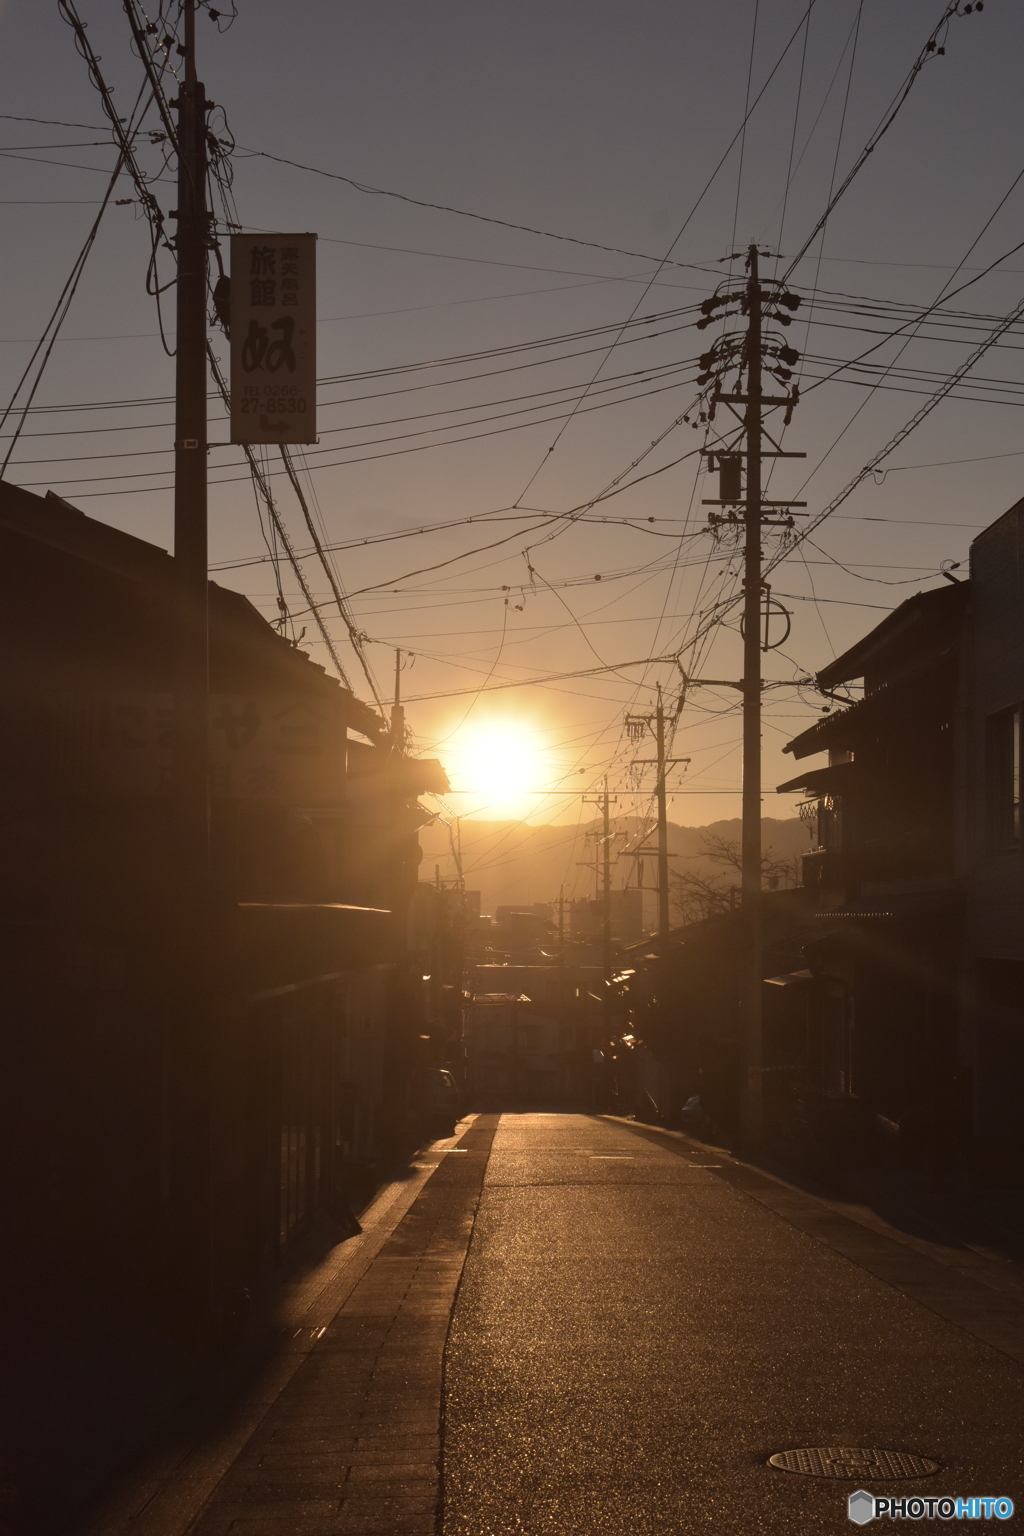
x: 490, y: 379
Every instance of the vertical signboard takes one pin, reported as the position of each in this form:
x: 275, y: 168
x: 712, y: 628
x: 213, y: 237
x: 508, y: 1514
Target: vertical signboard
x: 273, y: 338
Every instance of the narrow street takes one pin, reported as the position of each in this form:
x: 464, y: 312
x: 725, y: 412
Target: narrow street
x: 583, y: 1325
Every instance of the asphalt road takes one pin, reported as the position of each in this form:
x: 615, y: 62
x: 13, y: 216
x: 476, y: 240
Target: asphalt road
x: 635, y: 1335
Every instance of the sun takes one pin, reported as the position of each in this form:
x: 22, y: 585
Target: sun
x: 500, y: 763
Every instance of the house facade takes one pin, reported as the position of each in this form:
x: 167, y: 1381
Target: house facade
x: 166, y: 1139
x: 912, y: 989
x: 990, y: 855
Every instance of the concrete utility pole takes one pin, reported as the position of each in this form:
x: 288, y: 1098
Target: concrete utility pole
x: 398, y: 711
x: 659, y: 733
x: 561, y: 943
x: 759, y: 302
x: 605, y: 801
x: 637, y: 726
x: 751, y: 1105
x: 606, y: 896
x: 191, y: 703
x: 192, y: 1054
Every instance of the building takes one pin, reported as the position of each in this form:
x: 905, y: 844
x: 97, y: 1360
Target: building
x: 990, y: 857
x: 586, y: 918
x: 912, y: 992
x: 519, y: 1053
x: 196, y: 1071
x: 885, y: 954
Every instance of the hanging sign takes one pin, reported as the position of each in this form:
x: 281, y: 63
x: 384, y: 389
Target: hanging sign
x: 273, y: 338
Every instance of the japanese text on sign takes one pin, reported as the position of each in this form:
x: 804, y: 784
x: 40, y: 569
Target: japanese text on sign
x: 273, y: 338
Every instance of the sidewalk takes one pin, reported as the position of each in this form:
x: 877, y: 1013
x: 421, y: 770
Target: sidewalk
x: 980, y: 1292
x: 341, y: 1436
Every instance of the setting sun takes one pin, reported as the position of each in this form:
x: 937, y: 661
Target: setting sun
x: 499, y: 762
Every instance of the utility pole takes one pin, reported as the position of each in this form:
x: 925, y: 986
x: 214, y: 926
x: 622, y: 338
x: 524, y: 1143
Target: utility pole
x: 605, y: 801
x: 398, y: 711
x: 561, y: 935
x: 751, y: 1102
x: 606, y: 897
x: 636, y: 727
x: 663, y: 923
x: 757, y: 352
x: 191, y: 704
x: 193, y: 1059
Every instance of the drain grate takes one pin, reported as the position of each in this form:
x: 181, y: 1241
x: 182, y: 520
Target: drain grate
x: 854, y: 1462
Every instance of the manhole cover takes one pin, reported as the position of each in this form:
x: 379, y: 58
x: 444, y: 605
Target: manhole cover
x: 853, y: 1461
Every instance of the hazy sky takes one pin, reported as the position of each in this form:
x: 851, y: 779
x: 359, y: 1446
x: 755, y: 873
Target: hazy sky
x: 603, y: 122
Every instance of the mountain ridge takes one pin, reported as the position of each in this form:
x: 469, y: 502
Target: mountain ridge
x: 511, y: 863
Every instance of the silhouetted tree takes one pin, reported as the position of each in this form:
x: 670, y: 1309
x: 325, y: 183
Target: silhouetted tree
x: 696, y: 894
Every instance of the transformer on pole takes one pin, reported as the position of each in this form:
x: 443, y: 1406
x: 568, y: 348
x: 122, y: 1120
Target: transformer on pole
x: 751, y: 353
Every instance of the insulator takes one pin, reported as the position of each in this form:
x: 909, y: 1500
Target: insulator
x: 791, y: 300
x: 789, y: 356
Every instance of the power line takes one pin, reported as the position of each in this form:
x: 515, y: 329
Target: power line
x: 463, y: 213
x: 904, y: 432
x: 682, y: 228
x: 51, y: 330
x: 354, y: 636
x: 931, y: 48
x: 528, y: 682
x: 260, y: 481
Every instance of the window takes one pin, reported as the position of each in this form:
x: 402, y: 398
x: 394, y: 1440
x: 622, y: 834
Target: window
x: 1002, y: 748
